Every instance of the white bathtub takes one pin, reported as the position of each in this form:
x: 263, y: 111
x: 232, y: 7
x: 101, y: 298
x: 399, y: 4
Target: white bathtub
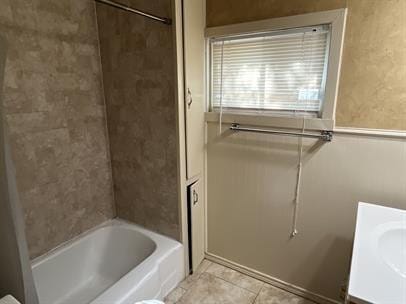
x: 116, y: 263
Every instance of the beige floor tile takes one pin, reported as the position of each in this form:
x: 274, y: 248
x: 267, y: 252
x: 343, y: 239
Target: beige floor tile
x: 190, y: 280
x: 235, y: 277
x: 273, y: 295
x: 203, y: 266
x: 175, y: 295
x: 209, y: 289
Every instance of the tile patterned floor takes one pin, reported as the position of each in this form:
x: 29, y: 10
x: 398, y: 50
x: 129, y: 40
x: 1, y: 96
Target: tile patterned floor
x: 215, y: 284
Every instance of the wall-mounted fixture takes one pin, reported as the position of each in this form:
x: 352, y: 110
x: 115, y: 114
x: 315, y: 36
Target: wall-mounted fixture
x: 324, y: 135
x: 164, y: 20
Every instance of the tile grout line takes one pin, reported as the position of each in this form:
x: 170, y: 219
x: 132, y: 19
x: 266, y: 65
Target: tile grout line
x: 214, y: 276
x: 192, y: 283
x: 197, y: 274
x: 185, y: 291
x: 264, y: 284
x: 262, y: 287
x: 255, y: 299
x: 256, y: 293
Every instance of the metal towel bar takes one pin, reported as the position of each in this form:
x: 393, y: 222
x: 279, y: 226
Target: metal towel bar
x: 324, y: 135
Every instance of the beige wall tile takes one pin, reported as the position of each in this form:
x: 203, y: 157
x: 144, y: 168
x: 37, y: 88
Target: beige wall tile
x: 137, y: 59
x: 54, y: 107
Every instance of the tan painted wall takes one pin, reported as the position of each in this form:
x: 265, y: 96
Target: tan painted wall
x: 372, y: 90
x: 251, y: 184
x: 54, y: 108
x: 251, y: 178
x: 139, y: 78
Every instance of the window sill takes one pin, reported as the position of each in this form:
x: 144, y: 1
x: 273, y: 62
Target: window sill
x: 271, y: 121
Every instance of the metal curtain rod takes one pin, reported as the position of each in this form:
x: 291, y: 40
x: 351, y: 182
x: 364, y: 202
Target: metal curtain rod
x: 324, y: 135
x: 167, y: 21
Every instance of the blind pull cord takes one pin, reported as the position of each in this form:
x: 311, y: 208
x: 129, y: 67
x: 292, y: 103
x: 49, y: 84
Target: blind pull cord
x: 221, y: 89
x: 296, y: 201
x: 298, y: 185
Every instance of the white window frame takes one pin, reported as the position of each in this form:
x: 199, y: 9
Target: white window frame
x: 336, y: 19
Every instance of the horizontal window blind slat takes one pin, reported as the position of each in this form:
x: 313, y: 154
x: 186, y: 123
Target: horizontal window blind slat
x: 267, y: 47
x: 269, y: 50
x: 287, y: 105
x: 270, y: 40
x: 273, y: 56
x: 265, y: 73
x: 278, y: 83
x: 269, y: 83
x: 279, y: 103
x: 280, y: 91
x: 279, y: 74
x: 278, y: 86
x: 293, y: 108
x: 296, y: 60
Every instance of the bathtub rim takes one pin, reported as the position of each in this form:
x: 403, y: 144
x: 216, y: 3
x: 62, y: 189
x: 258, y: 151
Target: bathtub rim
x: 154, y: 236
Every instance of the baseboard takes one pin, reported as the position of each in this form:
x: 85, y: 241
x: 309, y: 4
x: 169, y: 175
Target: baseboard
x: 271, y: 280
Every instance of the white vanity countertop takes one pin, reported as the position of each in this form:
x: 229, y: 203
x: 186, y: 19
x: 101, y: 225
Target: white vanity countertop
x: 378, y: 266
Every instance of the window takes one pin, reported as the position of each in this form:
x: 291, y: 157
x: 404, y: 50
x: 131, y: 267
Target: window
x: 277, y: 69
x: 281, y: 71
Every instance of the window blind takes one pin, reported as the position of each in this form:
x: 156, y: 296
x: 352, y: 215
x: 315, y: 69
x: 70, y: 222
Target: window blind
x: 277, y: 71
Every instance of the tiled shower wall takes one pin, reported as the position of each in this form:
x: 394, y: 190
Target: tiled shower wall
x: 54, y: 107
x: 138, y: 69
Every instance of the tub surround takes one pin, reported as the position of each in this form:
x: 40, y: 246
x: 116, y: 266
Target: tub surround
x: 138, y: 69
x: 54, y: 108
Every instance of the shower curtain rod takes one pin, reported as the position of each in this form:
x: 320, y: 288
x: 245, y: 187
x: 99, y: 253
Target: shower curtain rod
x: 135, y: 11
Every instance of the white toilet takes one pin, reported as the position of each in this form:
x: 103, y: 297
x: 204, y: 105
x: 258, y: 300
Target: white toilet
x: 11, y: 300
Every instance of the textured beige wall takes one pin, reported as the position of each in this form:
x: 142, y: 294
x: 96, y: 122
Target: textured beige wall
x: 373, y: 79
x: 372, y: 88
x: 138, y: 69
x: 223, y: 12
x: 54, y: 108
